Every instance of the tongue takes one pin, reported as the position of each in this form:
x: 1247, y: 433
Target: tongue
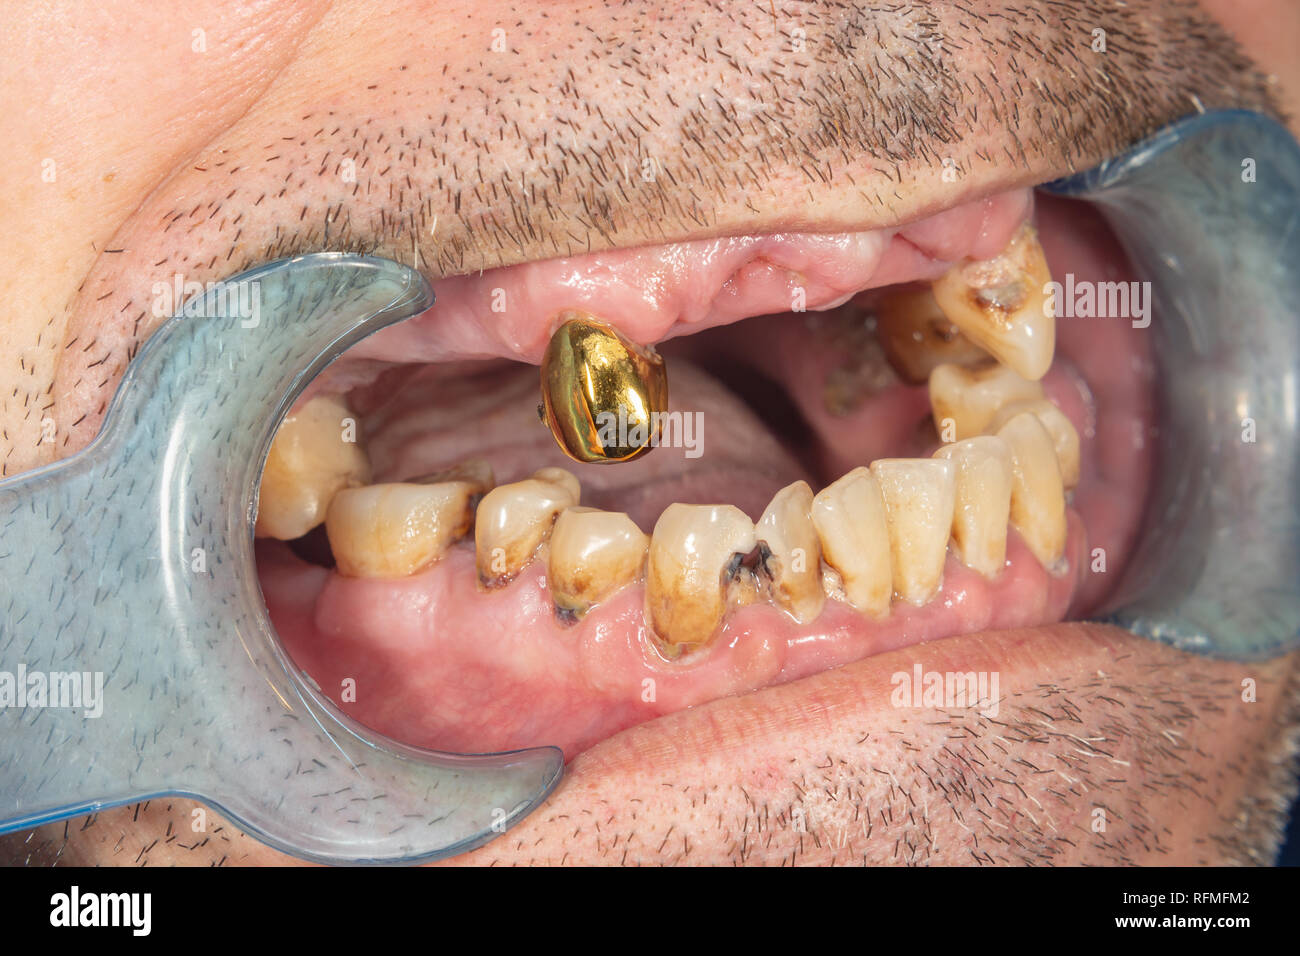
x: 443, y: 415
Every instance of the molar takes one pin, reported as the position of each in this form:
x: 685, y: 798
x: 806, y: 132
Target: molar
x: 394, y: 530
x: 311, y: 460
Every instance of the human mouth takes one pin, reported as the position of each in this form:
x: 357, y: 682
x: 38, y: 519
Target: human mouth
x: 462, y: 583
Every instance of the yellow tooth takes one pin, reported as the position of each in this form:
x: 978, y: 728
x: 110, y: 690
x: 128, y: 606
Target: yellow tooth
x: 394, y: 530
x: 1000, y: 305
x: 917, y: 336
x: 514, y: 519
x: 1037, y: 492
x: 983, y: 504
x: 1058, y: 425
x: 593, y: 554
x: 849, y: 516
x: 919, y: 496
x: 967, y: 399
x: 795, y: 565
x: 691, y: 548
x: 311, y: 459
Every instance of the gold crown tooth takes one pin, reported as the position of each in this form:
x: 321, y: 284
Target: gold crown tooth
x: 593, y: 379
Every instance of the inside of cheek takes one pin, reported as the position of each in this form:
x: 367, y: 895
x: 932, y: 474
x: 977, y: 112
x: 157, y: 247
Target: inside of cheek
x: 435, y: 660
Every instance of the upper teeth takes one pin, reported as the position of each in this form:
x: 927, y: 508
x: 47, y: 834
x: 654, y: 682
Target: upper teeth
x: 917, y: 336
x: 966, y: 400
x: 1000, y: 304
x: 878, y: 533
x: 311, y: 459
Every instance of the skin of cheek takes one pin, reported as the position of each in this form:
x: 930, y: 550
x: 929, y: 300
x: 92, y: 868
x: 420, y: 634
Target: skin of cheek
x: 1076, y: 767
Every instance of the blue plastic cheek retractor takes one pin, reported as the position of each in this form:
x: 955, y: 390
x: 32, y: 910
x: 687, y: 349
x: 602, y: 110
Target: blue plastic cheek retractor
x: 132, y: 562
x: 136, y: 655
x: 1208, y: 211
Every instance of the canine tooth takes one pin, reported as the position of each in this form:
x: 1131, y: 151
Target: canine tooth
x: 1000, y: 304
x: 690, y: 549
x: 983, y: 503
x: 849, y: 515
x: 1058, y: 425
x: 916, y: 335
x: 393, y: 530
x: 593, y: 554
x: 309, y: 462
x: 514, y: 519
x: 1037, y: 492
x: 969, y: 398
x: 796, y: 551
x: 919, y: 496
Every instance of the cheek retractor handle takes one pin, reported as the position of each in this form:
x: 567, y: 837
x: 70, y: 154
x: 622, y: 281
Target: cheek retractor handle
x: 1208, y: 211
x: 131, y: 564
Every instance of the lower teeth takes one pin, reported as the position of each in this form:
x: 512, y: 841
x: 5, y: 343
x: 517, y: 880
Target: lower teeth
x: 877, y: 534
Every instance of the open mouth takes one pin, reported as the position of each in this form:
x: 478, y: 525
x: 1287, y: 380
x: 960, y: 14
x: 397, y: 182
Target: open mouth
x: 878, y: 439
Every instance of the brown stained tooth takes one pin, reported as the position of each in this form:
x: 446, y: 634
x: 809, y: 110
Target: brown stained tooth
x: 1037, y: 492
x: 983, y: 504
x: 849, y: 515
x: 475, y: 471
x: 1000, y: 304
x: 964, y: 401
x: 394, y: 530
x: 1064, y: 436
x: 917, y: 337
x: 794, y: 552
x: 315, y: 454
x: 919, y: 496
x: 691, y: 548
x: 514, y: 519
x: 592, y: 555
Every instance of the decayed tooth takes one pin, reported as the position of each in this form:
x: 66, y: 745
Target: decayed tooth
x: 849, y: 516
x: 1037, y: 492
x: 919, y: 495
x: 969, y: 398
x: 916, y: 335
x: 1000, y: 304
x: 393, y: 530
x: 513, y: 519
x: 691, y: 548
x: 593, y: 554
x: 1058, y: 425
x: 795, y: 560
x: 983, y: 504
x: 314, y: 455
